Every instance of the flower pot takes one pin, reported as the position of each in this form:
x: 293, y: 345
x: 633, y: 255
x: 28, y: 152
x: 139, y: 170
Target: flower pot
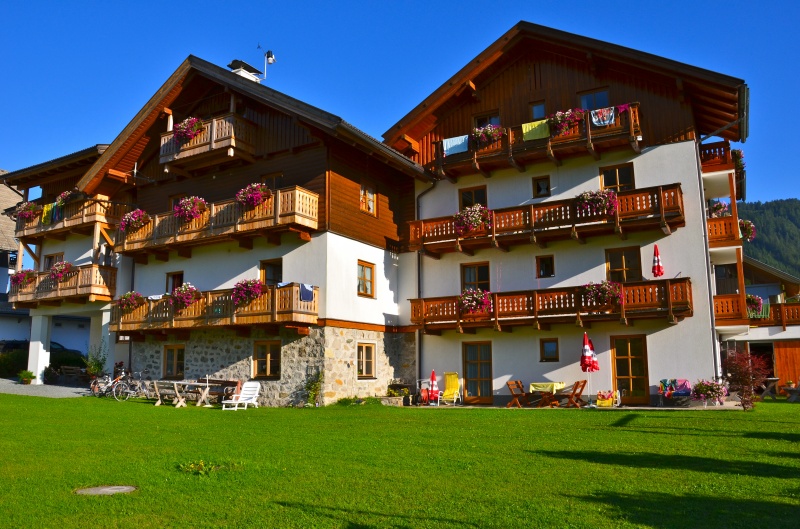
x: 26, y: 381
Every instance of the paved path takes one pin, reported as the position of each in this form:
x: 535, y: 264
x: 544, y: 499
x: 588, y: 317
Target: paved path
x: 41, y: 390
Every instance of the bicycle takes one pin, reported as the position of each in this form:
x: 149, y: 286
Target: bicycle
x: 104, y: 385
x: 132, y: 387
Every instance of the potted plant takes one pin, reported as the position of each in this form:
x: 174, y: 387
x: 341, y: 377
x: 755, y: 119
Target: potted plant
x: 96, y: 361
x: 738, y: 159
x: 706, y: 390
x: 472, y: 218
x: 246, y: 291
x: 473, y: 301
x: 189, y: 208
x: 28, y: 210
x: 253, y: 195
x: 23, y: 277
x: 602, y: 202
x: 790, y: 384
x: 562, y: 121
x: 602, y: 294
x: 26, y: 376
x: 488, y: 134
x: 130, y: 300
x: 133, y: 220
x: 748, y: 230
x: 183, y: 296
x: 754, y: 303
x: 64, y: 197
x: 718, y: 209
x: 187, y: 129
x: 60, y: 270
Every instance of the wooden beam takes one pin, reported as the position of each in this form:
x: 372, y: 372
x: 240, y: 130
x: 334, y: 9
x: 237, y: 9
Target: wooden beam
x: 576, y: 236
x: 118, y: 175
x: 183, y: 251
x: 33, y: 254
x: 161, y: 256
x: 140, y: 258
x: 105, y: 236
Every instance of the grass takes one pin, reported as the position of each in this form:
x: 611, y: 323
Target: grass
x: 373, y: 466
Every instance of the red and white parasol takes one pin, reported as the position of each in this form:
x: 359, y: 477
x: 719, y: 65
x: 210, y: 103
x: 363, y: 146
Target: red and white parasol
x: 589, y: 362
x: 658, y: 268
x: 433, y: 393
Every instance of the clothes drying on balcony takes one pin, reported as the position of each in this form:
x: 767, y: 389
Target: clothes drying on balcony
x: 763, y: 313
x: 306, y: 292
x: 535, y: 130
x: 47, y: 214
x: 602, y: 117
x: 455, y: 145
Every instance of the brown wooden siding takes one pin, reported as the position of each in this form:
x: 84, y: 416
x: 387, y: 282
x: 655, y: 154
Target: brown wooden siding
x: 787, y: 360
x: 558, y: 80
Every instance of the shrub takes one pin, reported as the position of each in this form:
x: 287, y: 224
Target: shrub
x: 744, y: 373
x: 12, y: 362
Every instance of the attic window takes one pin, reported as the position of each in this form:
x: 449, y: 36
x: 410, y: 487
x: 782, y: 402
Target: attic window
x: 595, y: 99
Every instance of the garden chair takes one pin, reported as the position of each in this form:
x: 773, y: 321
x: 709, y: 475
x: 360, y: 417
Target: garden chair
x: 571, y: 394
x: 452, y: 389
x: 518, y: 395
x: 248, y: 395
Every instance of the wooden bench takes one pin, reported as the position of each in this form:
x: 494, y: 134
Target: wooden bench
x: 166, y: 389
x: 76, y: 373
x: 217, y: 387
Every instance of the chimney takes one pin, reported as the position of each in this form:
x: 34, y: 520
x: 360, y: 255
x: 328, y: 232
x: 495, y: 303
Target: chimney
x: 245, y: 70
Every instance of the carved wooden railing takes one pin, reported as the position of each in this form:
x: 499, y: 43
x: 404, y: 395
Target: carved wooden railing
x: 288, y: 206
x: 723, y: 229
x: 658, y: 203
x: 72, y: 215
x: 780, y: 314
x: 729, y: 307
x: 222, y: 132
x: 716, y: 156
x: 87, y: 280
x: 662, y: 297
x: 282, y: 304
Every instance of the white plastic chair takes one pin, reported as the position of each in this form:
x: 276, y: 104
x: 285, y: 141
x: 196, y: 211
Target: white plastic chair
x: 248, y: 395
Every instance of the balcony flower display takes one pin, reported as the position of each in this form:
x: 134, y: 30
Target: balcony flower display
x: 709, y: 390
x: 246, y: 291
x: 718, y: 209
x: 133, y: 220
x: 23, y: 277
x: 754, y: 303
x: 183, y: 296
x: 738, y: 159
x: 603, y: 202
x: 189, y: 208
x: 471, y: 218
x: 562, y: 121
x: 64, y: 197
x: 130, y: 300
x: 187, y: 129
x: 253, y: 195
x: 748, y: 230
x: 602, y: 293
x: 475, y: 300
x: 28, y: 210
x: 60, y: 270
x: 488, y: 134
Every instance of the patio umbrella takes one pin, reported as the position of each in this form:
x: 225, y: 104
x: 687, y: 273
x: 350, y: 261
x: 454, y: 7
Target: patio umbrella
x: 589, y: 363
x: 433, y: 393
x: 658, y: 268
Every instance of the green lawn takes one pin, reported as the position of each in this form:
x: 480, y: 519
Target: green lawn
x: 374, y: 466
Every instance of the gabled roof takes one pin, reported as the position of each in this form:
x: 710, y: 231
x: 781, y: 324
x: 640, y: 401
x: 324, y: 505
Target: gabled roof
x: 8, y: 198
x: 717, y: 100
x: 126, y: 148
x: 33, y: 175
x: 764, y: 267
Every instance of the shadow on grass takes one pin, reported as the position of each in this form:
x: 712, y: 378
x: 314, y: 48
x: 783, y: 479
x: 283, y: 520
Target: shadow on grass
x: 397, y: 520
x: 668, y: 511
x: 774, y: 436
x: 677, y: 462
x: 624, y: 421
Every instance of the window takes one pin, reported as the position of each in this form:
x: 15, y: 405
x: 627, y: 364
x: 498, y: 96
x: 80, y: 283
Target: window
x: 173, y: 362
x: 472, y: 195
x: 545, y: 266
x: 50, y: 260
x: 594, y: 100
x: 366, y: 360
x: 368, y: 199
x: 624, y: 264
x: 174, y: 200
x: 475, y: 276
x: 487, y: 119
x: 366, y: 275
x: 174, y: 280
x: 273, y: 180
x: 267, y: 359
x: 548, y: 350
x: 617, y: 178
x: 271, y: 272
x: 541, y: 186
x: 537, y: 110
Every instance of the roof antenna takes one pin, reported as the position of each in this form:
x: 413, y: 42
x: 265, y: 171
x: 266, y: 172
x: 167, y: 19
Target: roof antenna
x: 269, y: 58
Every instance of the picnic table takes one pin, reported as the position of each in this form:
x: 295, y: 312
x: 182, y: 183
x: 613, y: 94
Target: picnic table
x: 545, y: 390
x: 203, y: 389
x: 770, y: 388
x: 794, y: 394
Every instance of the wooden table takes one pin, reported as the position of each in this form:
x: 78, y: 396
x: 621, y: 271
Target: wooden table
x: 770, y: 388
x: 794, y: 394
x: 545, y: 390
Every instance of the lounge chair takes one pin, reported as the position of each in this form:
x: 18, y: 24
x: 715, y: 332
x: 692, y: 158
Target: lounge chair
x: 248, y: 395
x: 452, y: 389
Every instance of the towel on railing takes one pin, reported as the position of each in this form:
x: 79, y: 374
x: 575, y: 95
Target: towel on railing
x: 47, y: 213
x: 455, y: 145
x: 58, y: 213
x: 155, y: 297
x: 306, y: 292
x: 279, y: 285
x: 535, y: 130
x: 603, y: 117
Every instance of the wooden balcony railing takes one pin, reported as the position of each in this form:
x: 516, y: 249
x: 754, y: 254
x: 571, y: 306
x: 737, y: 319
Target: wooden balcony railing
x: 84, y: 283
x: 729, y: 307
x: 512, y: 150
x: 723, y: 231
x: 73, y: 216
x: 716, y: 156
x: 289, y: 208
x: 276, y: 305
x: 780, y: 315
x: 640, y: 209
x: 667, y: 298
x: 229, y: 134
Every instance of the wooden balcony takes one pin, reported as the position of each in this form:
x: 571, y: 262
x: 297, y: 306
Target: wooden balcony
x: 653, y: 208
x: 730, y: 309
x: 780, y: 315
x: 73, y: 217
x: 717, y: 158
x: 224, y: 137
x: 84, y: 284
x: 723, y: 231
x: 291, y: 209
x: 513, y: 151
x: 670, y: 299
x: 276, y: 306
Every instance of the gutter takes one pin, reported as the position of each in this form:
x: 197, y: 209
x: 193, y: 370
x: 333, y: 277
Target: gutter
x: 419, y: 280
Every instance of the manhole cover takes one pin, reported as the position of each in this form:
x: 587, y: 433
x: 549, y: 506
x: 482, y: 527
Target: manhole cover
x: 105, y: 491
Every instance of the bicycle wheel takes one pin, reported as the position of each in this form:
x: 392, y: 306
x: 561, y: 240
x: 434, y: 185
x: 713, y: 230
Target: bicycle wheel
x: 96, y: 388
x: 121, y: 391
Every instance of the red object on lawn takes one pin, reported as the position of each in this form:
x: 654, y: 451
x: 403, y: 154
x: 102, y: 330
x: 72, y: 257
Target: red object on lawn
x: 433, y: 393
x: 658, y: 268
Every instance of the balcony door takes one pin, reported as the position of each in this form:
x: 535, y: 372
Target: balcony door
x: 629, y: 354
x: 477, y: 372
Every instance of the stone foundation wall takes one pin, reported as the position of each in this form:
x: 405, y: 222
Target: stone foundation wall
x: 220, y: 353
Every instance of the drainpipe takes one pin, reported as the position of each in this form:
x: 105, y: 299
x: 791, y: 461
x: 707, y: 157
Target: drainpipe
x: 419, y: 284
x: 130, y: 341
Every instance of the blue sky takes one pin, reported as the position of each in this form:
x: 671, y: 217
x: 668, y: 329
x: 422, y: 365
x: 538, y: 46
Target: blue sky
x: 74, y: 75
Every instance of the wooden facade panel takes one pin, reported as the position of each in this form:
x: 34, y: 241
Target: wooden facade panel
x: 787, y: 360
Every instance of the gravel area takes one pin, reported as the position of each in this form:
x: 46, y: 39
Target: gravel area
x: 41, y: 390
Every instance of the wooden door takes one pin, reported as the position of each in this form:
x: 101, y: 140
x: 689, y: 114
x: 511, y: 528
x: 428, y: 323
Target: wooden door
x: 477, y: 372
x: 629, y: 355
x: 787, y: 360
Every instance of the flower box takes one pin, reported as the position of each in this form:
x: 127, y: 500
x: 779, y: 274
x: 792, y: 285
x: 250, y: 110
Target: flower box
x: 748, y: 230
x: 253, y: 195
x: 130, y: 300
x: 28, y: 210
x: 23, y: 278
x: 183, y: 296
x: 190, y: 208
x: 60, y: 270
x: 246, y: 291
x: 133, y: 220
x: 187, y: 129
x: 603, y: 202
x: 472, y: 218
x: 562, y: 121
x: 475, y: 302
x: 489, y: 134
x: 600, y: 296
